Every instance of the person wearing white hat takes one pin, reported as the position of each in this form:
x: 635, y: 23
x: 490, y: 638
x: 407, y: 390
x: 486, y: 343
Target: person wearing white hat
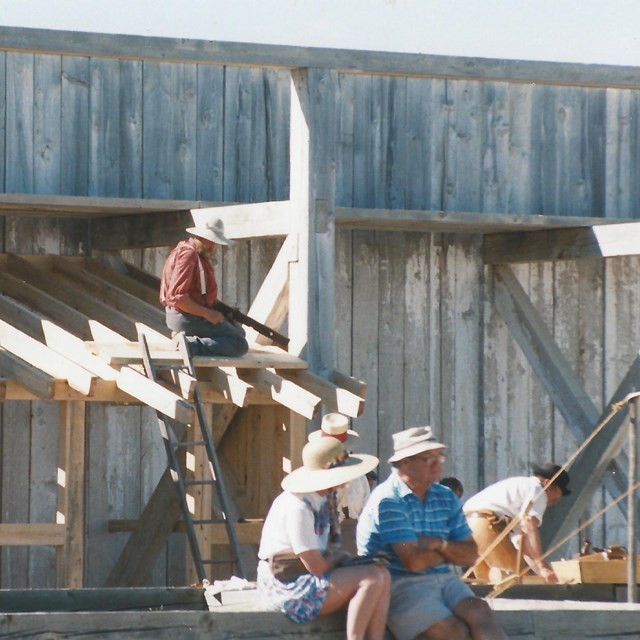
x: 188, y: 289
x: 298, y: 573
x: 353, y: 496
x: 420, y: 524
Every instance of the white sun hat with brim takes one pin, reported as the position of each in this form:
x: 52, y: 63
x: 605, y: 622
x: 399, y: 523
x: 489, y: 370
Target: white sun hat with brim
x: 412, y: 441
x: 326, y: 465
x: 212, y: 230
x: 334, y: 425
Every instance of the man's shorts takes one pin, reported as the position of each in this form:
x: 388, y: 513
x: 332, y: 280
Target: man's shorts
x: 419, y: 601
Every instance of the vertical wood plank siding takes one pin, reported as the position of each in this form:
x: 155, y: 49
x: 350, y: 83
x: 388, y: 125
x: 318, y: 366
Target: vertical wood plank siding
x: 414, y: 311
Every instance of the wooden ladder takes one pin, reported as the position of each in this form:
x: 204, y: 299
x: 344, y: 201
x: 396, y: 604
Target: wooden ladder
x: 180, y: 439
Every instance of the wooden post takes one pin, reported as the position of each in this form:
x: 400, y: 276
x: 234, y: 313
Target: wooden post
x: 312, y: 194
x: 70, y: 480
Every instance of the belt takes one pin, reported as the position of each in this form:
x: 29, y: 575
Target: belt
x: 481, y: 513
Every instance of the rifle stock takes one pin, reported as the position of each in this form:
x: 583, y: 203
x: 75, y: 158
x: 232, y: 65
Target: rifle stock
x: 235, y: 315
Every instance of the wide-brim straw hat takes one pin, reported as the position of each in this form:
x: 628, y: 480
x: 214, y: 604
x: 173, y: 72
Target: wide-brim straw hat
x: 412, y: 441
x: 334, y: 425
x: 325, y: 464
x: 212, y: 230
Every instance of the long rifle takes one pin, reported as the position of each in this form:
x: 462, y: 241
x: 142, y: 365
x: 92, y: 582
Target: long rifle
x: 235, y: 315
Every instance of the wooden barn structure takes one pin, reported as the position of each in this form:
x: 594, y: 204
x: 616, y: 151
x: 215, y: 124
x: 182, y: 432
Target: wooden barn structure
x: 455, y: 235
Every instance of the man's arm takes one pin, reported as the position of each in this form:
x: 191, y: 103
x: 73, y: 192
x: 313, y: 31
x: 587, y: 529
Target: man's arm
x: 532, y: 549
x: 429, y: 551
x: 189, y: 305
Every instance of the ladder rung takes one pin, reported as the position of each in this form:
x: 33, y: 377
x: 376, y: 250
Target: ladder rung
x: 220, y: 561
x: 189, y: 443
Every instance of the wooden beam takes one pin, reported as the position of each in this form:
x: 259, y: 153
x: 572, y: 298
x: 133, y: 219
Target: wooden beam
x: 242, y: 221
x: 351, y: 384
x: 336, y: 398
x: 74, y: 348
x: 158, y: 520
x: 554, y: 372
x: 38, y: 271
x: 312, y: 160
x: 124, y: 281
x: 41, y: 302
x: 271, y: 304
x: 248, y: 531
x: 225, y: 381
x: 284, y: 391
x: 155, y: 395
x: 259, y: 356
x: 251, y: 220
x: 42, y: 357
x: 70, y: 510
x: 593, y: 463
x: 139, y: 231
x: 604, y: 241
x: 106, y: 292
x: 28, y: 204
x: 456, y: 221
x: 32, y: 534
x: 185, y: 50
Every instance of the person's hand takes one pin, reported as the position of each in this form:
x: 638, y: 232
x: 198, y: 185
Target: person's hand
x: 338, y: 556
x: 214, y: 317
x: 549, y: 575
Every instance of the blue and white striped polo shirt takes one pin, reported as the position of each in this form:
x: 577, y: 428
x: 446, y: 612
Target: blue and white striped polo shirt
x: 395, y: 514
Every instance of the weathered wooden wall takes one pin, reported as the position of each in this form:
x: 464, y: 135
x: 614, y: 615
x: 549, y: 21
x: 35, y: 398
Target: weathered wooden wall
x: 414, y: 312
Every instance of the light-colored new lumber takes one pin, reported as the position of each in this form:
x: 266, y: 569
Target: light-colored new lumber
x: 32, y: 534
x: 353, y: 385
x: 70, y: 510
x: 107, y: 293
x: 39, y: 272
x: 73, y: 348
x: 284, y: 391
x: 259, y: 356
x: 44, y: 358
x: 155, y: 395
x: 271, y: 304
x: 336, y: 398
x: 252, y: 220
x: 226, y: 382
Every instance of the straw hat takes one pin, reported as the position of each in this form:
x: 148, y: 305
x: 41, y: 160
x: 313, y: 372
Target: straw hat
x: 325, y: 465
x: 211, y: 230
x: 336, y: 426
x: 409, y: 442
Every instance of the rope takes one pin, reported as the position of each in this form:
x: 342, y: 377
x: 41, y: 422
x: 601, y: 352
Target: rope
x: 615, y: 407
x: 511, y: 580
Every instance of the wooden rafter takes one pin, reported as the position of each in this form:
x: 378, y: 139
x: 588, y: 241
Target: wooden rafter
x: 567, y: 394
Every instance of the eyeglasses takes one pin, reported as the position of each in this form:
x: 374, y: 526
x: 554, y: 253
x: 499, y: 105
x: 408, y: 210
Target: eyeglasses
x: 431, y: 460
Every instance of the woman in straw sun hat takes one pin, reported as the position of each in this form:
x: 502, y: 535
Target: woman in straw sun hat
x: 298, y: 573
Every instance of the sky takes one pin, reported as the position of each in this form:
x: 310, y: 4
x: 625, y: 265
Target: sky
x: 589, y: 31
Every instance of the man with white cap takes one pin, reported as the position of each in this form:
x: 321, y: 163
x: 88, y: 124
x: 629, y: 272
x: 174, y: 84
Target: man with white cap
x: 525, y: 498
x: 420, y: 524
x: 188, y: 289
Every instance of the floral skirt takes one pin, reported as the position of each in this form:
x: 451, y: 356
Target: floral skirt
x: 300, y: 600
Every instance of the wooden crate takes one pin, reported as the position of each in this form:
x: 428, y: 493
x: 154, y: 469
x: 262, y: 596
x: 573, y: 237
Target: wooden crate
x: 595, y: 569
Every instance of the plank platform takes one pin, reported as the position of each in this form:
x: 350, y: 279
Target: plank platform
x: 258, y: 357
x: 242, y: 615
